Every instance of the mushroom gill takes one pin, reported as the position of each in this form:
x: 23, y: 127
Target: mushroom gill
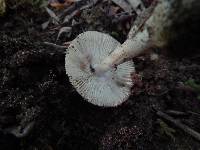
x: 87, y: 51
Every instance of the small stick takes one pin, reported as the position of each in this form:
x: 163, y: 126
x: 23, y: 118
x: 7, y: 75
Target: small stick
x: 55, y: 45
x: 178, y: 124
x: 176, y: 113
x: 59, y: 48
x: 141, y: 19
x: 194, y: 113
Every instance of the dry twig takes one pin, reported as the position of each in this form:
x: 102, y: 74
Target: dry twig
x: 59, y: 48
x: 178, y: 124
x: 77, y: 10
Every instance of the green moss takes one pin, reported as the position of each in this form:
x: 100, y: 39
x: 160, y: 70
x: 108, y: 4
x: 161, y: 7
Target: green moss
x: 165, y: 129
x: 115, y: 34
x: 192, y: 83
x: 2, y: 7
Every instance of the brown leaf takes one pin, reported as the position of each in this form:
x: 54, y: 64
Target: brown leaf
x: 113, y: 10
x: 58, y: 5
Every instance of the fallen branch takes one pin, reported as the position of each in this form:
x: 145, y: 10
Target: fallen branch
x: 141, y: 19
x: 76, y: 6
x: 178, y: 124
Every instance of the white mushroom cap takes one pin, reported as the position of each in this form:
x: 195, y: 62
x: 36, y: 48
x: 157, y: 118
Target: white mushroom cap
x: 83, y: 54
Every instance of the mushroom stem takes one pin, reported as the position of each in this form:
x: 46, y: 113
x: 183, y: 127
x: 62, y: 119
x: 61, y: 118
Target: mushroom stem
x: 132, y: 47
x: 172, y: 24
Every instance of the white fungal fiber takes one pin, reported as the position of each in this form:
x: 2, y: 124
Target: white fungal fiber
x: 88, y: 50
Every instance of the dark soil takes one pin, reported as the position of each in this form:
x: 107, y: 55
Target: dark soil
x: 36, y: 96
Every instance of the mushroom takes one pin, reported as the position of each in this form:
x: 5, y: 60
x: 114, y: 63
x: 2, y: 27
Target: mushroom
x: 99, y: 67
x: 87, y: 51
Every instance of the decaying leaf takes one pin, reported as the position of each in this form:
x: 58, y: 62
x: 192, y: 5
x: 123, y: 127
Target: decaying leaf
x: 52, y: 14
x: 45, y: 24
x: 77, y: 11
x: 62, y: 3
x: 123, y: 4
x: 113, y: 10
x: 130, y: 5
x: 69, y: 17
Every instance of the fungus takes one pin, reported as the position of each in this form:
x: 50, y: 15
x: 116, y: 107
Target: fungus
x: 87, y: 51
x: 98, y: 66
